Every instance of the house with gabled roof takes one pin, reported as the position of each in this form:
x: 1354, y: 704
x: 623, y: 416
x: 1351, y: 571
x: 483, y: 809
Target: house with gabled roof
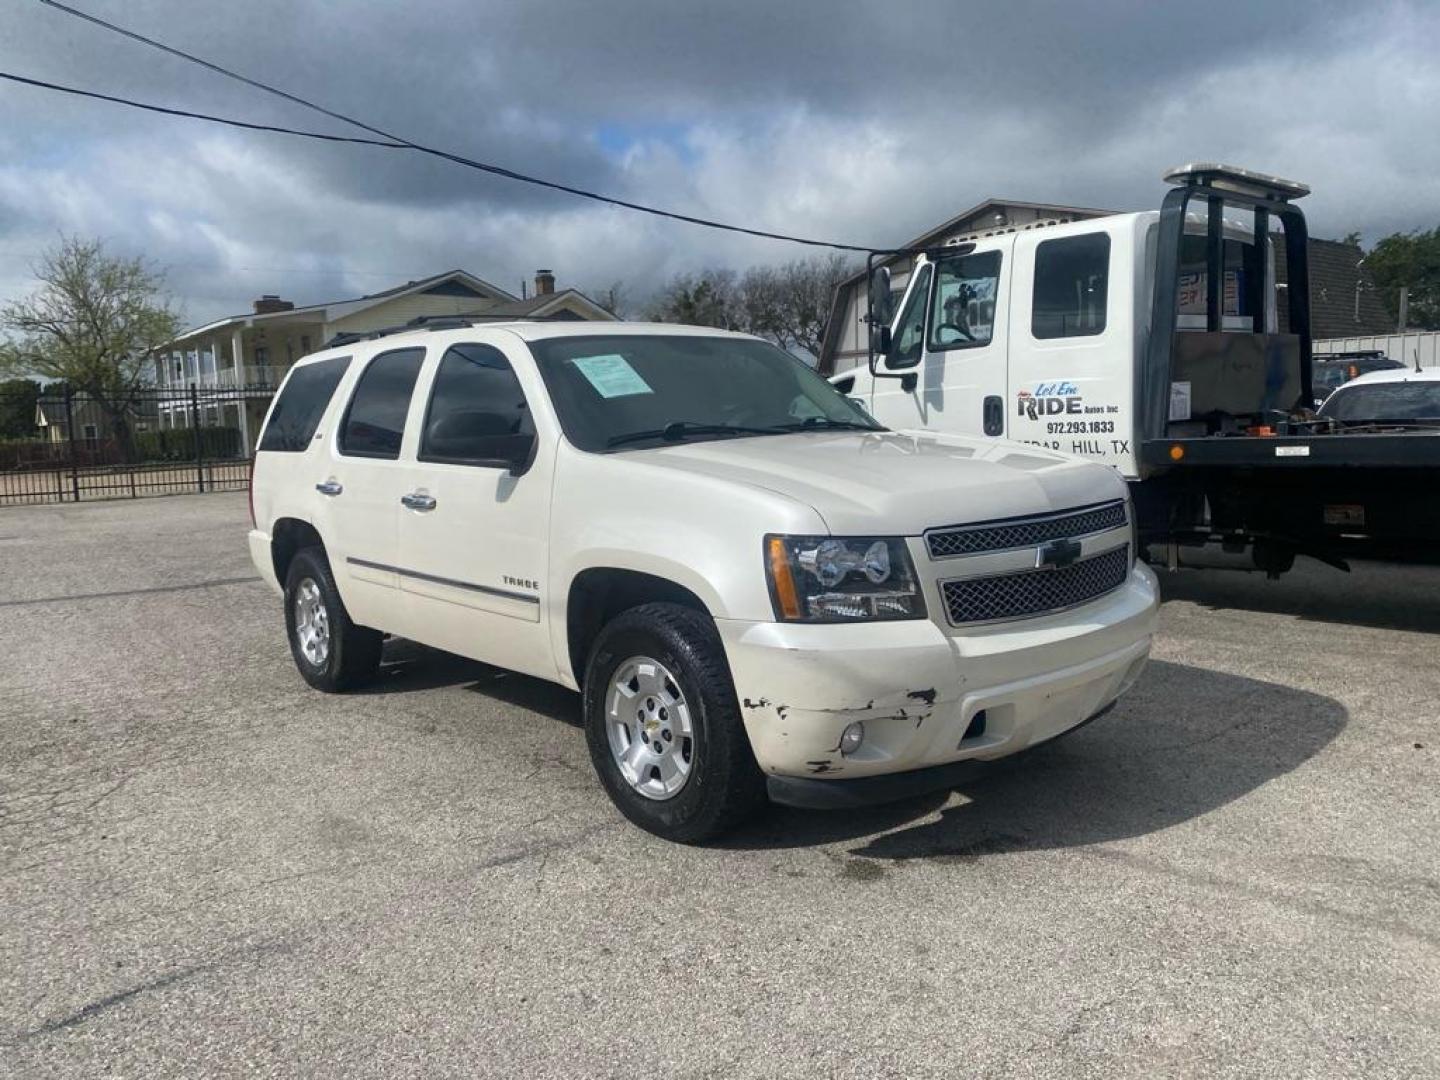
x: 237, y: 363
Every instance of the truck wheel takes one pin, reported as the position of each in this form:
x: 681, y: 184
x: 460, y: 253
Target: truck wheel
x: 664, y: 728
x: 331, y: 652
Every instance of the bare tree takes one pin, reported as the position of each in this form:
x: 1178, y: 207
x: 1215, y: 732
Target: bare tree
x: 705, y: 299
x: 614, y: 298
x: 94, y: 323
x: 788, y: 304
x: 806, y: 288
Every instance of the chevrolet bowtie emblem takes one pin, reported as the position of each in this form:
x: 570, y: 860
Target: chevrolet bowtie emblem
x: 1057, y: 554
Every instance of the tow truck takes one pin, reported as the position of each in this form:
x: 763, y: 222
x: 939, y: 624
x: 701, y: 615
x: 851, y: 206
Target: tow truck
x: 1152, y: 342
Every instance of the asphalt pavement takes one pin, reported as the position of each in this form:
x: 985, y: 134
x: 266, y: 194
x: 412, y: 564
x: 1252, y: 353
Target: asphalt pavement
x: 208, y: 869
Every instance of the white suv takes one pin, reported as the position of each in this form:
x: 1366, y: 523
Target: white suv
x: 756, y: 588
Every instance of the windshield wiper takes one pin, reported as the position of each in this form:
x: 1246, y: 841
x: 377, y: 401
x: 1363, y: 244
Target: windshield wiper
x: 679, y: 430
x: 812, y: 423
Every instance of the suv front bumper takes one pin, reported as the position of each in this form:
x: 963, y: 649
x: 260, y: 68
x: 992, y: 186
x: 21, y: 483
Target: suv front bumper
x: 927, y: 697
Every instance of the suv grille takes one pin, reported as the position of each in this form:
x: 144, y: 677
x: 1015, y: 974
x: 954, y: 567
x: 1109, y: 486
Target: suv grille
x: 1034, y: 592
x: 1023, y: 532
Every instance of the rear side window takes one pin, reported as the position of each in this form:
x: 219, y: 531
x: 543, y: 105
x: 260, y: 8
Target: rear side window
x: 477, y: 410
x: 375, y: 422
x: 1072, y: 277
x: 298, y: 410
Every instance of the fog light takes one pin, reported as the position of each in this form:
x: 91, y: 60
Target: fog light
x: 852, y: 737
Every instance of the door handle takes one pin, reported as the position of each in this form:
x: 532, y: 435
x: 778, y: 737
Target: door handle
x: 993, y: 415
x: 416, y: 501
x: 330, y: 487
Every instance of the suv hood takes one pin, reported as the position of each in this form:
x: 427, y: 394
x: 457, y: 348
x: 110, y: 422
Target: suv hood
x: 887, y: 483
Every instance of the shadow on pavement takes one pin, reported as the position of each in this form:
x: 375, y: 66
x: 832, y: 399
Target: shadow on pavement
x: 1384, y: 596
x: 1185, y: 741
x: 408, y: 668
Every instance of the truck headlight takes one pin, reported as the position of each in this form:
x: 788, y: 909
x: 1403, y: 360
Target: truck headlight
x: 842, y: 579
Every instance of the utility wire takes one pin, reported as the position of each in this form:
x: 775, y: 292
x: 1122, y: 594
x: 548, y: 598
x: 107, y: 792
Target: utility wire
x: 42, y: 84
x: 392, y: 141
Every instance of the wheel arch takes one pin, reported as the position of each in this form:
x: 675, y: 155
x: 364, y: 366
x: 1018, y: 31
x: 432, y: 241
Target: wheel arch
x: 287, y: 537
x: 599, y: 593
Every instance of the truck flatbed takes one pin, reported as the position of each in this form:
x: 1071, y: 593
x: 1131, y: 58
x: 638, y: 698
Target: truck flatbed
x: 1396, y: 449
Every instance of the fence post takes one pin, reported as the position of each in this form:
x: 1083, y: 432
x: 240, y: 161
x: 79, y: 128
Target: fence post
x: 70, y: 430
x: 195, y: 431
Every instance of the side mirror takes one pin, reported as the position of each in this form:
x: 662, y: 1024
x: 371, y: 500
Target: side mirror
x: 479, y: 438
x: 881, y: 304
x: 515, y: 453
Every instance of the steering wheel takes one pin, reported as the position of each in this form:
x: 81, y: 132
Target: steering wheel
x: 964, y: 333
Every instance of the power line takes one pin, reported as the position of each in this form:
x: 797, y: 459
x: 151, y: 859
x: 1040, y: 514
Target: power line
x: 393, y: 141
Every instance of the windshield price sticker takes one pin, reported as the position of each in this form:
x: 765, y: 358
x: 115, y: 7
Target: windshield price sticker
x: 611, y: 375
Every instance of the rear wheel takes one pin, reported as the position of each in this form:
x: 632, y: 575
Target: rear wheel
x: 331, y: 652
x: 663, y: 726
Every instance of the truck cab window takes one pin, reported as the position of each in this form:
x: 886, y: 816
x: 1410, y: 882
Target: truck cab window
x: 906, y: 349
x: 1071, y: 286
x: 963, y: 315
x: 1241, y: 266
x: 375, y: 422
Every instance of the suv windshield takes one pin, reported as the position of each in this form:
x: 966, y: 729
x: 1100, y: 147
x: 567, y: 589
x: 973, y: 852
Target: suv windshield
x: 616, y: 392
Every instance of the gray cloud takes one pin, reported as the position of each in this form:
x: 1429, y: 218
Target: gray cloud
x: 860, y: 122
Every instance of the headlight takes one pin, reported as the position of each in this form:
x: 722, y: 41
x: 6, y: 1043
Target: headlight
x: 842, y: 579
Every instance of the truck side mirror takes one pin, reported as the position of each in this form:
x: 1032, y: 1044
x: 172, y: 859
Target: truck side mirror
x: 881, y: 308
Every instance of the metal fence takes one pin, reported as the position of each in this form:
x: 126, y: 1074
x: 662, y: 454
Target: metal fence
x: 154, y: 442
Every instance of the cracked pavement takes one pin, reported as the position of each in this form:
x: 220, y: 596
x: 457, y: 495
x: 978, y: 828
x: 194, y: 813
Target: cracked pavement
x: 207, y: 869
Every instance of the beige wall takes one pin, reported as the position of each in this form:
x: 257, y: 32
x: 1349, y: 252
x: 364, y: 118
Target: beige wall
x: 402, y: 309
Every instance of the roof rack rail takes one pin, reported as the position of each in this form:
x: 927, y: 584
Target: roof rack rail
x: 424, y: 322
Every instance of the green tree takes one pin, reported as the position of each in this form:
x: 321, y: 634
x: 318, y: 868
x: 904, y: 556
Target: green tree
x: 1409, y: 259
x: 94, y: 323
x: 18, y: 398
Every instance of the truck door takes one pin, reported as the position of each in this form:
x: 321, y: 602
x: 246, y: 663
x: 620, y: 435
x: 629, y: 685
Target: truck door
x: 952, y: 333
x: 1071, y: 345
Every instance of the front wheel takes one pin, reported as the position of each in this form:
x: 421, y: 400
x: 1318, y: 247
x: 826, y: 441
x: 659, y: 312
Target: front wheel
x: 331, y: 652
x: 663, y: 726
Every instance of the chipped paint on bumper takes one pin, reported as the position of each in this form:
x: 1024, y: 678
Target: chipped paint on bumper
x: 918, y: 688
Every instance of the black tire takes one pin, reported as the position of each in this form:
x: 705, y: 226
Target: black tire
x: 725, y: 785
x: 353, y: 655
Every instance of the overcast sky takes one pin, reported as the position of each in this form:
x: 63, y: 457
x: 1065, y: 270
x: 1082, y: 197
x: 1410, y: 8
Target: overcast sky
x: 864, y: 123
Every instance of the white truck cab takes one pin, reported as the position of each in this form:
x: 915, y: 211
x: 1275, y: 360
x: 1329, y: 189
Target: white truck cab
x: 1151, y: 342
x: 1038, y: 336
x: 756, y: 588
